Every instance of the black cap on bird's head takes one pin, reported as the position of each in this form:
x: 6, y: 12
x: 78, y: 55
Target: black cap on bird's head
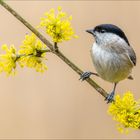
x: 108, y: 28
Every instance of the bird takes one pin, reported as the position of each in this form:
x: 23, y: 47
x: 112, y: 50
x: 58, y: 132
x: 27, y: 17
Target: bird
x: 112, y: 56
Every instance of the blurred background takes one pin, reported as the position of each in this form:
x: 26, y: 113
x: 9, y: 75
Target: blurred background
x: 56, y: 104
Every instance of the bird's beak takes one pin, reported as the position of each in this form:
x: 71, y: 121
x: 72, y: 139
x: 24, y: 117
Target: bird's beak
x: 91, y: 31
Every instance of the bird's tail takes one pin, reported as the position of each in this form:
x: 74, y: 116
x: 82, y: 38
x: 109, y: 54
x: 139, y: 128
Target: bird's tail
x: 130, y: 77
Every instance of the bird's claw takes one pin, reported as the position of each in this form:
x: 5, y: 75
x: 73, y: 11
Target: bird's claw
x: 85, y: 75
x: 110, y: 98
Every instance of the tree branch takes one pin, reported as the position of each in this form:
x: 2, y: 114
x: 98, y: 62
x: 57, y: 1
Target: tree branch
x: 55, y: 51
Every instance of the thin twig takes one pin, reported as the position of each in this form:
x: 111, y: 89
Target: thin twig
x: 56, y: 52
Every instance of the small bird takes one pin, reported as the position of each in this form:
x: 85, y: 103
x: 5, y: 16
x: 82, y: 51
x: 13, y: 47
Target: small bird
x: 112, y: 55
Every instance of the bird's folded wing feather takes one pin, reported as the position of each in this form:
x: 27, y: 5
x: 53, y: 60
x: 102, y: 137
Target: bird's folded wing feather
x: 132, y: 56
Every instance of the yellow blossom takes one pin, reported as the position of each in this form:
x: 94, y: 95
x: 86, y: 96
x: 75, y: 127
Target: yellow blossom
x: 126, y: 111
x: 33, y: 62
x: 31, y: 45
x: 58, y: 26
x: 8, y: 60
x: 32, y: 53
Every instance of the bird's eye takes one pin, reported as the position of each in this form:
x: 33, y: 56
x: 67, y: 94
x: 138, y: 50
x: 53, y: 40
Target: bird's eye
x: 102, y: 31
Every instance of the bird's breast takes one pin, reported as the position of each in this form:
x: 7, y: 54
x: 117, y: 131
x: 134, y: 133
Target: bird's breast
x: 111, y: 66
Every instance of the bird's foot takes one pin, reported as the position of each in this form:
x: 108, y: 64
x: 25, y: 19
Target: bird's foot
x: 110, y: 97
x: 85, y: 75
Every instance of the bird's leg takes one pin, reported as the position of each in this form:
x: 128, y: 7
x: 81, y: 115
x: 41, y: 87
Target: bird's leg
x: 86, y: 75
x: 110, y: 96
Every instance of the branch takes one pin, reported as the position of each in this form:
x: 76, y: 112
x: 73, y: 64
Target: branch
x: 55, y: 51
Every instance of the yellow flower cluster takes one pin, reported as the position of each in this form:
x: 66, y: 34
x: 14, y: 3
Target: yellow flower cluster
x: 8, y: 60
x: 126, y: 111
x: 58, y: 26
x: 31, y: 45
x: 32, y: 53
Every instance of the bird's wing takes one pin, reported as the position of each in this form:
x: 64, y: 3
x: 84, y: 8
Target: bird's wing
x: 132, y: 56
x: 128, y: 50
